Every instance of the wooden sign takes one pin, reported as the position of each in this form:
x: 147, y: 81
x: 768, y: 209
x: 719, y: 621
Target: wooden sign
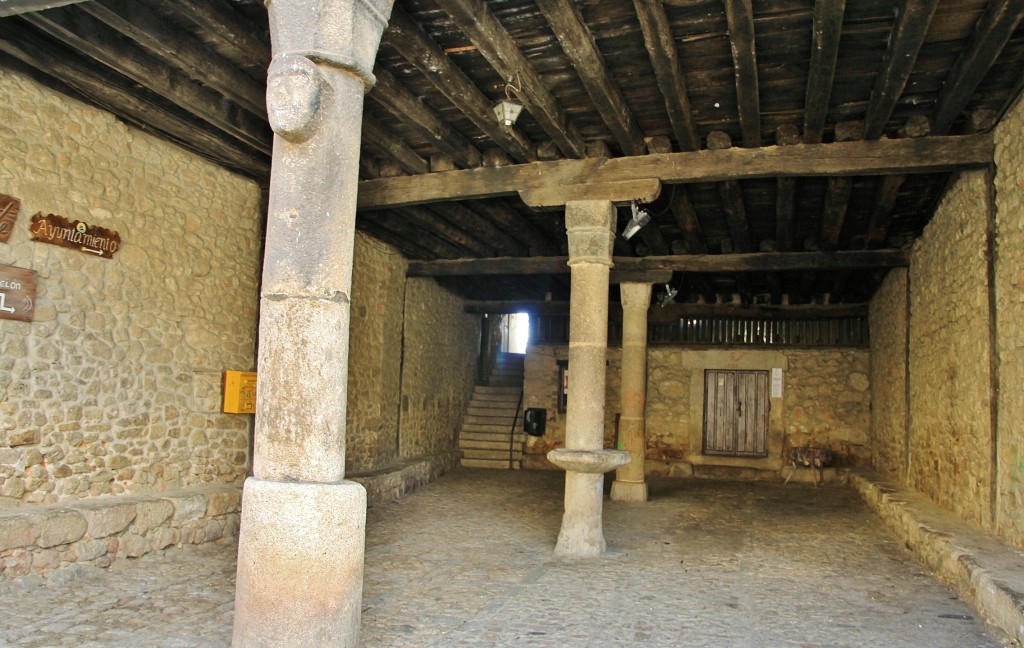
x: 76, y: 235
x: 9, y: 206
x: 17, y: 293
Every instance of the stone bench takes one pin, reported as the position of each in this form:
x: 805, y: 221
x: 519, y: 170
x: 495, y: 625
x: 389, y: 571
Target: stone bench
x: 41, y: 540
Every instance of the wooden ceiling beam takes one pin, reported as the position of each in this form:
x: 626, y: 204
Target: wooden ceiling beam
x: 827, y: 29
x: 404, y: 227
x: 837, y: 197
x: 480, y: 226
x: 881, y: 157
x: 154, y: 34
x: 247, y: 43
x: 731, y: 194
x: 448, y: 230
x: 672, y: 312
x: 785, y: 193
x: 908, y: 34
x: 580, y: 47
x: 515, y: 225
x: 661, y: 48
x: 486, y: 32
x: 379, y: 139
x: 99, y: 42
x: 15, y: 7
x: 688, y: 221
x: 703, y: 263
x: 120, y: 97
x: 406, y: 36
x: 393, y: 97
x: 740, y: 16
x: 990, y: 35
x: 398, y: 241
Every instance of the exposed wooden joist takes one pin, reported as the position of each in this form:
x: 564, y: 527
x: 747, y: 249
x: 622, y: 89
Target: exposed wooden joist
x: 99, y: 42
x: 476, y: 21
x: 15, y: 7
x: 785, y: 193
x: 661, y: 48
x: 827, y: 29
x: 990, y: 35
x: 706, y: 263
x: 731, y: 194
x: 429, y: 221
x: 403, y: 226
x: 154, y: 34
x: 247, y: 43
x: 515, y: 226
x: 116, y: 94
x: 740, y: 16
x: 481, y: 227
x: 652, y: 238
x: 581, y: 49
x: 882, y: 210
x: 837, y: 198
x: 396, y: 99
x: 689, y: 223
x: 908, y: 34
x: 378, y: 138
x: 406, y: 36
x: 881, y: 157
x: 406, y: 246
x: 673, y: 312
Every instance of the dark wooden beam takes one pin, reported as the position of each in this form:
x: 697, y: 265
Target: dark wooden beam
x: 481, y: 227
x: 785, y: 193
x: 408, y: 248
x: 120, y: 97
x: 486, y: 32
x: 404, y: 227
x: 706, y: 263
x: 673, y: 312
x: 247, y: 43
x: 378, y: 138
x: 15, y: 7
x: 661, y: 48
x: 97, y: 41
x: 406, y: 36
x: 827, y: 28
x: 732, y: 199
x: 990, y: 35
x: 740, y: 16
x: 689, y: 223
x: 925, y: 155
x: 154, y: 34
x: 393, y: 97
x: 837, y: 198
x: 882, y: 210
x: 652, y: 238
x: 581, y: 49
x: 912, y: 20
x: 516, y: 226
x: 444, y: 229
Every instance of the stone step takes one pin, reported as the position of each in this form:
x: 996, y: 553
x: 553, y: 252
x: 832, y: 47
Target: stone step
x: 507, y: 410
x: 490, y: 463
x: 500, y: 430
x: 490, y: 454
x: 474, y: 419
x: 503, y: 399
x: 491, y: 389
x: 496, y: 444
x: 469, y: 435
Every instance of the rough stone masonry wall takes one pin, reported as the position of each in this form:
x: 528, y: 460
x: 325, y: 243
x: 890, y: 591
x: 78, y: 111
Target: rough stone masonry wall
x: 438, y: 368
x: 375, y: 355
x: 116, y: 385
x: 1009, y: 291
x: 950, y: 441
x: 826, y: 401
x: 888, y: 325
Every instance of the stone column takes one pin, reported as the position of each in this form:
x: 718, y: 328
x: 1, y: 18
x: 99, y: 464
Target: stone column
x: 301, y: 543
x: 589, y: 225
x: 629, y: 484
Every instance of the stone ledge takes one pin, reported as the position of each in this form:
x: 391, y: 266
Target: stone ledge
x: 392, y: 482
x: 40, y: 541
x: 985, y: 572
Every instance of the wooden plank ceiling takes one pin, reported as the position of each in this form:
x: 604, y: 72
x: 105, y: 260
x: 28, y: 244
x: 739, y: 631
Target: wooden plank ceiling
x: 693, y: 81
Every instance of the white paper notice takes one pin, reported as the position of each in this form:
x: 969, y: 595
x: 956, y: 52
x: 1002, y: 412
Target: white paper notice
x: 776, y: 383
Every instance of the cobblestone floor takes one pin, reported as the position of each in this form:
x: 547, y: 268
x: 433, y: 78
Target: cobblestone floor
x: 467, y: 561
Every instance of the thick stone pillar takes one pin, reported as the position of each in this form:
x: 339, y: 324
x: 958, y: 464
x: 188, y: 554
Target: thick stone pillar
x: 589, y: 225
x: 629, y: 484
x: 301, y: 543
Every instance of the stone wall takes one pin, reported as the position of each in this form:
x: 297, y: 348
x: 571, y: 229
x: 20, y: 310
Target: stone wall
x: 375, y: 355
x: 116, y: 385
x: 441, y: 345
x: 888, y: 325
x: 1009, y: 300
x: 825, y: 402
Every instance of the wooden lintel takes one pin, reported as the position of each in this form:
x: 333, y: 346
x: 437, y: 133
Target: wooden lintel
x: 879, y: 157
x: 705, y: 263
x: 640, y: 276
x: 620, y: 193
x: 674, y: 312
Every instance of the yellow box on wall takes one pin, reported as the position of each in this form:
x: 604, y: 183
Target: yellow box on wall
x: 240, y: 392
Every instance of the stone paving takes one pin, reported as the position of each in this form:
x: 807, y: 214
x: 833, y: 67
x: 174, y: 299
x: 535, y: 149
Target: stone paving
x: 466, y: 561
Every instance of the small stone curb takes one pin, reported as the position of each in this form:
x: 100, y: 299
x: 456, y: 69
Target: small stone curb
x: 984, y: 572
x: 394, y: 481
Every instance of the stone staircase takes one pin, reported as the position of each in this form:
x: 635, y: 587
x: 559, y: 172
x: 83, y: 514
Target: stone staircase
x: 484, y: 439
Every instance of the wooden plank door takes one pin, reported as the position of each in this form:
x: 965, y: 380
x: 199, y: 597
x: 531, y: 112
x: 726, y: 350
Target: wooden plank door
x: 736, y: 409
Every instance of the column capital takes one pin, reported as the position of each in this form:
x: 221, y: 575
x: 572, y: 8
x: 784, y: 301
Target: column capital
x: 339, y: 33
x: 635, y: 295
x: 590, y: 225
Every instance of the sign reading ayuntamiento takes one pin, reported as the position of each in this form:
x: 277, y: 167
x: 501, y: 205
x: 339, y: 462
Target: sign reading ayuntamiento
x: 76, y: 235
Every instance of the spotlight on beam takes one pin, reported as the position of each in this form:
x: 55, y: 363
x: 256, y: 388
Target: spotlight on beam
x: 640, y: 218
x: 669, y: 297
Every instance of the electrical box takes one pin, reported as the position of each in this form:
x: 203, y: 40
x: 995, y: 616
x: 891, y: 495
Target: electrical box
x: 240, y: 392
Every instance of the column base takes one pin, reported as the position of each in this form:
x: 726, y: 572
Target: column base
x: 582, y: 532
x: 626, y: 491
x: 300, y: 564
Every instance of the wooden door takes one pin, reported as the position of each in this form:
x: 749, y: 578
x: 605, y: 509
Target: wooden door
x: 736, y: 409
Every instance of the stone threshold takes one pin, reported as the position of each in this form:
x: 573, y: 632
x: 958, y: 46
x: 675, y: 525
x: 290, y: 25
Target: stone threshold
x: 391, y: 482
x: 985, y: 572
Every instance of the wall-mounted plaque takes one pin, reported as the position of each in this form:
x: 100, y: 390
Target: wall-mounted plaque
x: 9, y: 206
x: 17, y: 293
x: 76, y: 235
